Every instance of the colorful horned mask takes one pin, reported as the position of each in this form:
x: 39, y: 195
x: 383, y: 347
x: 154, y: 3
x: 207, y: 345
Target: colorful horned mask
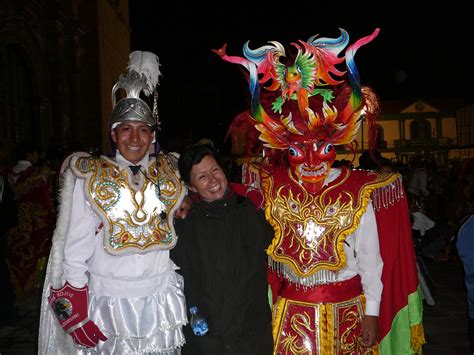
x: 303, y: 103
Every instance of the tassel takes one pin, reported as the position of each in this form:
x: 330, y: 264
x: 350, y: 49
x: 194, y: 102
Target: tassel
x: 417, y: 337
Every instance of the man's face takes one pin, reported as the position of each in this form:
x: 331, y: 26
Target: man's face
x: 208, y: 179
x: 133, y: 139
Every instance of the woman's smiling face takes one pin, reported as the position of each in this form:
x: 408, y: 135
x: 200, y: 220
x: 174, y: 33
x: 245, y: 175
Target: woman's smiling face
x: 208, y: 179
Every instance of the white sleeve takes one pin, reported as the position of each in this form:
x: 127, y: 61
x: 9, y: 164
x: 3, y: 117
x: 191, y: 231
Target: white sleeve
x: 79, y: 245
x: 369, y: 261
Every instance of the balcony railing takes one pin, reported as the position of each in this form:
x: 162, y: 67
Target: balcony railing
x: 429, y: 143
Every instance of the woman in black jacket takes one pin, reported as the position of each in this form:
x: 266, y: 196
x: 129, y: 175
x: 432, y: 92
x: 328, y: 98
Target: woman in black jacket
x: 221, y: 253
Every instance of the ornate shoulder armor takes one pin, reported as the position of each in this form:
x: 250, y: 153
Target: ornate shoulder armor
x: 135, y: 220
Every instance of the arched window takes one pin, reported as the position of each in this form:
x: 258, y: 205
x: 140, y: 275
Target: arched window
x: 19, y: 120
x: 420, y: 129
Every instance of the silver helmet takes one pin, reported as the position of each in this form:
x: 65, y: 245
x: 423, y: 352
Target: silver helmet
x: 142, y: 77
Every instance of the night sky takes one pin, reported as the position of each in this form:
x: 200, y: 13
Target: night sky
x: 420, y: 53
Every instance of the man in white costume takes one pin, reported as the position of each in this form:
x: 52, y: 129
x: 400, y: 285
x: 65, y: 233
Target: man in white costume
x: 110, y: 286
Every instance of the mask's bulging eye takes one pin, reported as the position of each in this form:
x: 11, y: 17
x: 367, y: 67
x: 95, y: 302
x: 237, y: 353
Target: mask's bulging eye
x: 292, y: 151
x: 328, y: 148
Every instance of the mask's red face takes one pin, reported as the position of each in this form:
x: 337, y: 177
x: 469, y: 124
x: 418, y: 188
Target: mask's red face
x: 311, y: 158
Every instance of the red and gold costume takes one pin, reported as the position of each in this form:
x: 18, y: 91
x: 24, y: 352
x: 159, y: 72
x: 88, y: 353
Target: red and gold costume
x: 342, y: 267
x: 30, y: 241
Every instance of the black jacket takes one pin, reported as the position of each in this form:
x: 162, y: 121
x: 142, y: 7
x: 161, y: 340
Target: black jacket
x: 221, y: 253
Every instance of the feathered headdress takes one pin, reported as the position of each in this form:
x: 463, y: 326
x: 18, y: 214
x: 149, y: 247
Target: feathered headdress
x: 142, y: 77
x: 307, y: 95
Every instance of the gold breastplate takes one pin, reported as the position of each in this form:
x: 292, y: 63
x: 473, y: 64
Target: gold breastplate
x: 310, y: 229
x: 136, y: 219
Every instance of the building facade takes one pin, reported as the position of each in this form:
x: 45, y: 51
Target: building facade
x: 440, y: 130
x: 58, y: 62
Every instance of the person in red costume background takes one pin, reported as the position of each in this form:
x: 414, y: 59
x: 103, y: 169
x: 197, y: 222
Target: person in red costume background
x: 342, y: 266
x: 29, y: 242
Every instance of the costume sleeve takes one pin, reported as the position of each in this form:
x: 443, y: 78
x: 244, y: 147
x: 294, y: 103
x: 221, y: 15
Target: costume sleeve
x: 369, y: 261
x: 253, y: 194
x: 79, y: 245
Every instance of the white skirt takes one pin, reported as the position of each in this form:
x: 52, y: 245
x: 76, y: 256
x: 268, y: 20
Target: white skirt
x: 137, y: 325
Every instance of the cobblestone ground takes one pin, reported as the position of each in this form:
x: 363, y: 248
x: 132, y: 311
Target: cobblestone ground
x: 445, y: 322
x: 21, y: 338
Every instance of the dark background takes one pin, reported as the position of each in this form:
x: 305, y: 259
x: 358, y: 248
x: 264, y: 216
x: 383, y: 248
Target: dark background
x: 422, y: 52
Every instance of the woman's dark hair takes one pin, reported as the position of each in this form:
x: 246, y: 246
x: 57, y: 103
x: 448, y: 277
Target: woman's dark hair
x: 192, y: 156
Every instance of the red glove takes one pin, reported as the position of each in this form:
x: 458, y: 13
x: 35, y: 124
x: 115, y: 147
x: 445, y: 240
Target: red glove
x: 69, y: 304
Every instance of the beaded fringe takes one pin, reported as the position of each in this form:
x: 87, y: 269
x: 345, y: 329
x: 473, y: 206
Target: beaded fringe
x: 318, y: 278
x: 388, y: 195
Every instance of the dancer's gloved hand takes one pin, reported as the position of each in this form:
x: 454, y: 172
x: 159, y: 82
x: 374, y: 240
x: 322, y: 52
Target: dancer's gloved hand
x: 69, y: 304
x: 88, y: 335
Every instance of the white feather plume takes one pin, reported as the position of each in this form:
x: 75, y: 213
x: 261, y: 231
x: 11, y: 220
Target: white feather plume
x: 146, y: 63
